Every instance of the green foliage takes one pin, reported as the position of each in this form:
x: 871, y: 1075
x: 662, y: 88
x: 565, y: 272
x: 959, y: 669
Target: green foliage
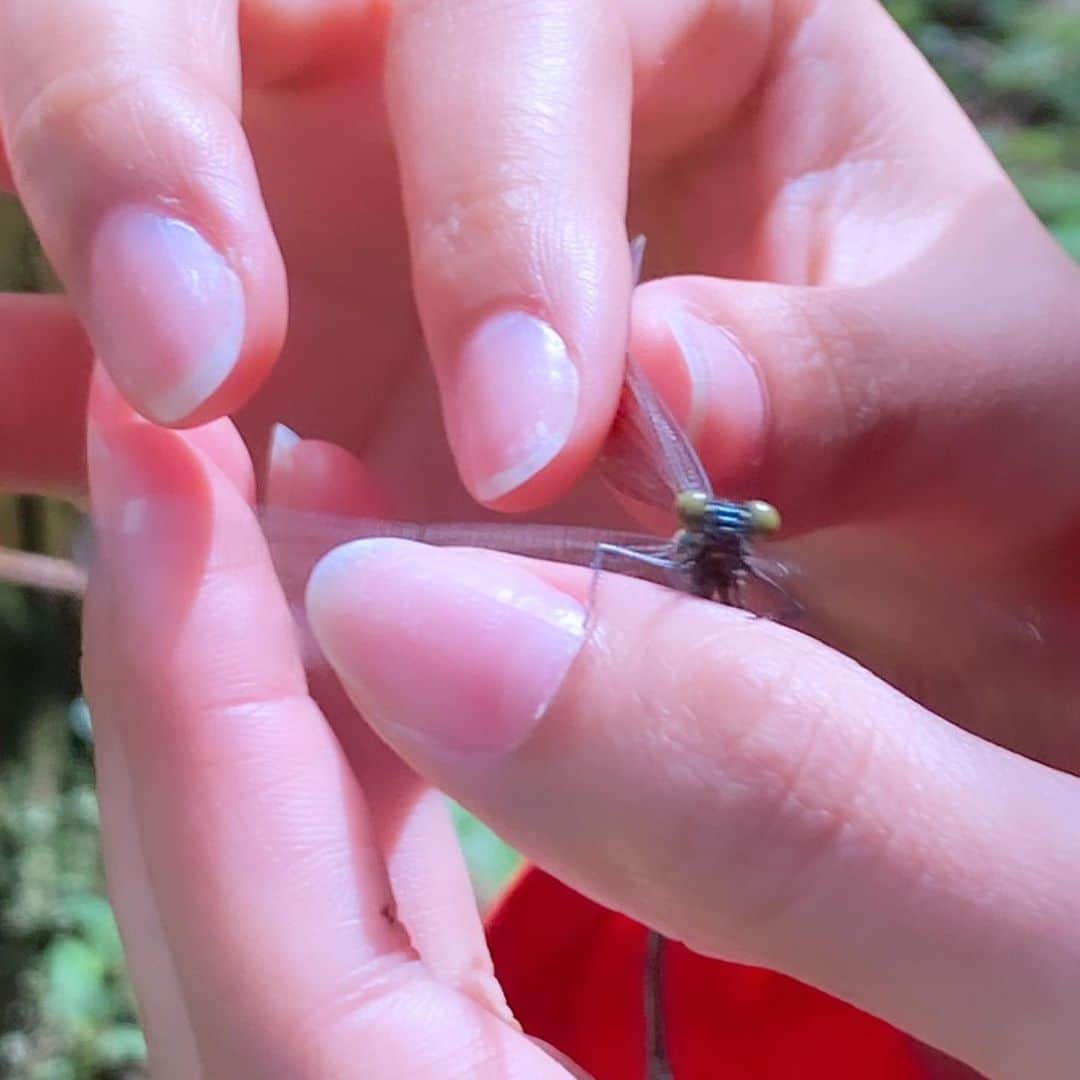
x: 65, y: 1008
x: 491, y: 862
x: 1015, y: 65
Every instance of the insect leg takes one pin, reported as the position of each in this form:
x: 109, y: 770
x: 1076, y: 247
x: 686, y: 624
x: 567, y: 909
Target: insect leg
x: 643, y: 557
x: 790, y: 610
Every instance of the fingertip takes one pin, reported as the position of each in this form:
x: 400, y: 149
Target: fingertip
x: 517, y: 232
x: 312, y: 474
x: 282, y: 440
x: 278, y: 481
x: 447, y: 652
x: 512, y: 402
x: 163, y: 244
x: 219, y: 440
x: 186, y: 324
x: 167, y: 312
x: 708, y: 374
x: 720, y: 370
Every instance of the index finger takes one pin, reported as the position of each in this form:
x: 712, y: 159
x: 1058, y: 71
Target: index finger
x: 121, y: 120
x: 512, y: 127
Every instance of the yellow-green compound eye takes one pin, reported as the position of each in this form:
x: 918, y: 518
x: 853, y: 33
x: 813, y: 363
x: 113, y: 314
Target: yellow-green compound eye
x: 764, y: 517
x: 690, y: 507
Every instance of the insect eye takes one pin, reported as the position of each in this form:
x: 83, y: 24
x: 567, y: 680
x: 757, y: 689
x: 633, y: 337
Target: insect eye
x: 690, y: 507
x: 764, y: 517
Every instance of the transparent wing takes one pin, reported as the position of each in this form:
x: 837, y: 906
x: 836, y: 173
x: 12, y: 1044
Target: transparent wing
x: 298, y: 539
x: 648, y: 456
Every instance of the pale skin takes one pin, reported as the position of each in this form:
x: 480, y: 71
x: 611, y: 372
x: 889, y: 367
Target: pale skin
x: 290, y: 895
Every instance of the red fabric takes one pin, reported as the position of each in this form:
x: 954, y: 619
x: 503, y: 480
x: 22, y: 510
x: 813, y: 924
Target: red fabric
x: 572, y: 972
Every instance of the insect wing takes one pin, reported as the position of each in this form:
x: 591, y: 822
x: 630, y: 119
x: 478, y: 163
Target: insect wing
x: 298, y: 539
x: 768, y: 591
x: 648, y: 456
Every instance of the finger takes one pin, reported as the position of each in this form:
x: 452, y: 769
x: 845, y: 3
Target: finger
x: 45, y: 371
x: 257, y: 841
x: 944, y: 385
x: 732, y: 783
x: 410, y: 820
x: 695, y: 64
x: 218, y: 441
x: 313, y: 475
x: 901, y: 362
x: 121, y: 122
x: 163, y: 1014
x: 867, y: 185
x: 514, y: 180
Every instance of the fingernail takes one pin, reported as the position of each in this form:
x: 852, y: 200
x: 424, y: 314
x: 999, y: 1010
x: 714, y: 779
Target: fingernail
x: 721, y: 376
x: 166, y: 312
x: 279, y: 462
x: 458, y: 652
x: 282, y: 440
x: 512, y: 403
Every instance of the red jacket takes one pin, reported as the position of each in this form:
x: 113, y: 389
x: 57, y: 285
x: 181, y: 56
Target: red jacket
x: 572, y: 972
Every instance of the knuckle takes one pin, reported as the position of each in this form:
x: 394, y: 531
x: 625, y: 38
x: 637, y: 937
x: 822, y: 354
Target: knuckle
x: 114, y: 114
x: 68, y: 103
x: 365, y: 993
x: 779, y: 803
x: 382, y: 1003
x: 467, y: 237
x: 844, y: 382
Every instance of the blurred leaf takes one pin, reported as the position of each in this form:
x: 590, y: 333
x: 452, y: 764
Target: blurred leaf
x: 92, y: 916
x: 1069, y: 237
x: 491, y: 862
x: 75, y: 981
x: 54, y: 1069
x: 122, y: 1044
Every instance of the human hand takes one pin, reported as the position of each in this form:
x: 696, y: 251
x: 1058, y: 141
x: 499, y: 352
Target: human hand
x: 747, y: 791
x: 291, y: 897
x: 853, y: 430
x: 739, y: 787
x: 487, y: 172
x: 813, y: 821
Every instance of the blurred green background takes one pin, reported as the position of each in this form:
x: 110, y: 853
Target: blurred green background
x: 65, y: 1009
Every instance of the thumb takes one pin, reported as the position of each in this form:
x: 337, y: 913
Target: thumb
x: 732, y: 783
x: 949, y: 378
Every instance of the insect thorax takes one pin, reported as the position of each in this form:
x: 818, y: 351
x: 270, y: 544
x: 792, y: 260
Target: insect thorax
x: 713, y: 563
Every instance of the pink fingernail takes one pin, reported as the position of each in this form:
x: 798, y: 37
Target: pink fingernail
x: 455, y: 650
x: 167, y: 312
x: 722, y: 378
x: 279, y: 463
x: 512, y: 403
